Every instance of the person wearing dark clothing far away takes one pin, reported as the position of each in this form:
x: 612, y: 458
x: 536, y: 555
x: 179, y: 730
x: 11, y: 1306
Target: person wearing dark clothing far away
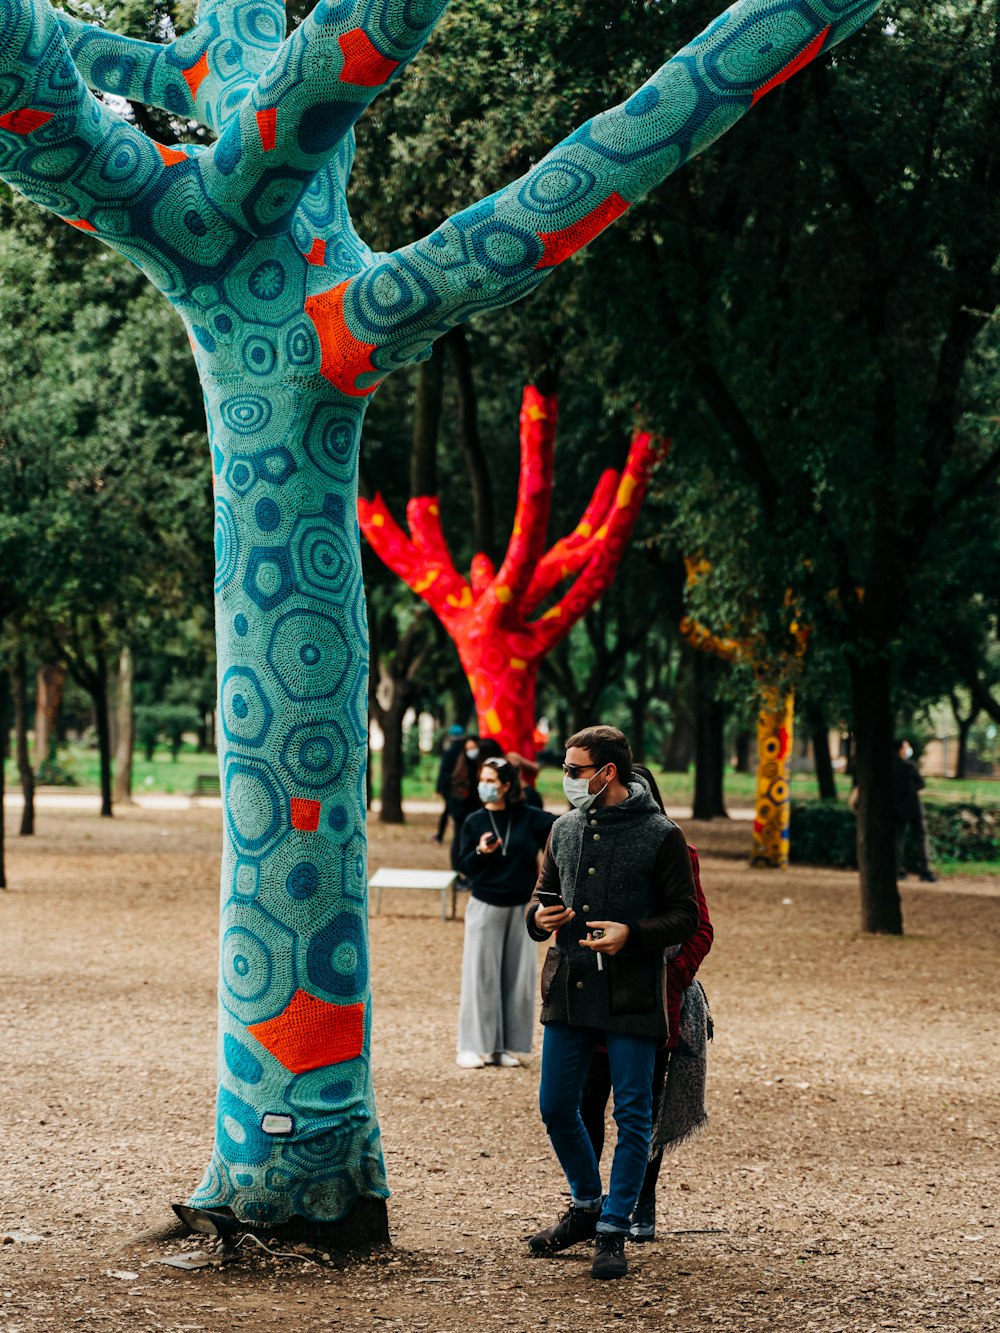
x: 453, y: 746
x: 907, y: 784
x: 462, y: 796
x: 616, y: 888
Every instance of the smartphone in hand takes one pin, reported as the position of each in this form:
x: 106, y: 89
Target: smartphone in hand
x: 549, y: 899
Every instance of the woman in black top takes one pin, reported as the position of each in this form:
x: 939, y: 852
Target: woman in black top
x: 499, y: 857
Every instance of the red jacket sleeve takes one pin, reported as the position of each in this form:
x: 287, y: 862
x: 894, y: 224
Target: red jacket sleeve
x: 682, y: 969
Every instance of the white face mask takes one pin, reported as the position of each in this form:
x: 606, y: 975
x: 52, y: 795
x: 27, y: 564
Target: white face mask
x: 473, y: 752
x: 578, y: 792
x: 907, y: 752
x: 488, y: 791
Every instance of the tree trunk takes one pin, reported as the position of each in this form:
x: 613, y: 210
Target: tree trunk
x: 962, y: 758
x: 820, y: 734
x: 4, y: 750
x: 871, y: 696
x: 125, y: 730
x: 426, y: 424
x: 49, y: 685
x: 638, y: 708
x: 19, y: 683
x: 772, y: 808
x: 391, y: 722
x: 98, y: 691
x: 475, y: 458
x: 709, y: 755
x: 678, y: 751
x: 743, y: 751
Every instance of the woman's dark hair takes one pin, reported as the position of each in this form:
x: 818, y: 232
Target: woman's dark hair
x: 605, y: 745
x: 640, y: 770
x: 505, y: 772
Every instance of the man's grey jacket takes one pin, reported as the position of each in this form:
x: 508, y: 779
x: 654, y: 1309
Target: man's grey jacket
x: 626, y: 863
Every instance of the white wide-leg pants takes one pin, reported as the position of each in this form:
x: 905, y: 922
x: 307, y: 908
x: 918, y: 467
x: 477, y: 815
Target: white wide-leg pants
x: 499, y: 968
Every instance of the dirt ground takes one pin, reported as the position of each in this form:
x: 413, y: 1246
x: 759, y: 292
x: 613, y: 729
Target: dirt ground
x: 847, y: 1181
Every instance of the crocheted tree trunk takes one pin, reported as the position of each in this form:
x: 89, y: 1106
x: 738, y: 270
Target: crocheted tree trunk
x: 293, y: 322
x: 772, y: 800
x: 494, y: 617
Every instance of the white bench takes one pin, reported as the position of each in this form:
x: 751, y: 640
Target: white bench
x: 442, y: 881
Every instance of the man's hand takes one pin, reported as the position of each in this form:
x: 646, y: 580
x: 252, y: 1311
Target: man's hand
x: 613, y: 936
x: 551, y: 918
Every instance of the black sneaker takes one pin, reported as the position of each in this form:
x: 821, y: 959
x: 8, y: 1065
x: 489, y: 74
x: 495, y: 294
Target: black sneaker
x: 609, y: 1255
x: 929, y: 878
x: 644, y: 1220
x: 576, y: 1224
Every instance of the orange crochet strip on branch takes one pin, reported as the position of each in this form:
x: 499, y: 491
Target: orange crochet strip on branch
x: 364, y: 65
x: 793, y: 66
x: 559, y: 245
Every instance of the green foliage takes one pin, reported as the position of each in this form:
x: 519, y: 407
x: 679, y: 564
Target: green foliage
x: 106, y: 498
x: 53, y: 773
x: 166, y: 722
x: 825, y: 833
x: 961, y: 831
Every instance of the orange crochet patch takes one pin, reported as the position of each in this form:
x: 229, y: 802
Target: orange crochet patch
x: 24, y: 121
x: 305, y: 814
x: 312, y: 1033
x: 344, y: 356
x: 793, y: 66
x: 196, y: 75
x: 267, y: 127
x: 559, y: 245
x: 364, y: 64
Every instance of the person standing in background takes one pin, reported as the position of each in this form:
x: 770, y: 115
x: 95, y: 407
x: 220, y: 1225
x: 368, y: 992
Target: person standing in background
x: 453, y: 746
x: 499, y: 858
x: 907, y: 784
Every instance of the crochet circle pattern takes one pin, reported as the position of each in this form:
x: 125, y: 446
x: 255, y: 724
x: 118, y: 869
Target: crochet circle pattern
x: 293, y: 322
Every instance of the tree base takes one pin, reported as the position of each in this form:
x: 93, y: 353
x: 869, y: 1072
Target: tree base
x: 365, y: 1227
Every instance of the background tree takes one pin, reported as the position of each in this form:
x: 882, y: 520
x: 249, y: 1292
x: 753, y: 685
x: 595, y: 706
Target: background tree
x: 496, y: 617
x: 849, y: 448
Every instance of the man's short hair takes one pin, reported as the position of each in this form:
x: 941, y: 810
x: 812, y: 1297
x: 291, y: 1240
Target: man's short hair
x: 605, y: 745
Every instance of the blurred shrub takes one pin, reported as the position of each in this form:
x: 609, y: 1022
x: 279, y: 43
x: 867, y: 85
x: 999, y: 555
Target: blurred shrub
x: 823, y: 833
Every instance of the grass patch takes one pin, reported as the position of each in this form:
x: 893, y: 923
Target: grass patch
x: 947, y: 869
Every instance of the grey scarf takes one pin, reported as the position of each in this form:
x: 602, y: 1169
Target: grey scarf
x: 681, y: 1112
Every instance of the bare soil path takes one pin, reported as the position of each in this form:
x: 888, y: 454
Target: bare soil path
x: 848, y: 1179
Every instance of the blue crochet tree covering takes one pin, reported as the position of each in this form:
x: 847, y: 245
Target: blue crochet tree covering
x: 293, y: 321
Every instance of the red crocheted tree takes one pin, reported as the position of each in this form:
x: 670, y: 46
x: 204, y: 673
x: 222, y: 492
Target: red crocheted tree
x: 494, y: 617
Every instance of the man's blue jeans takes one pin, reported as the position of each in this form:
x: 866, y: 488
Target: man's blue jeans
x: 566, y: 1053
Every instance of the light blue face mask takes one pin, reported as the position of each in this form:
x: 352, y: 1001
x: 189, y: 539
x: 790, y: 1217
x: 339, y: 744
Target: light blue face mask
x: 578, y: 792
x: 488, y: 791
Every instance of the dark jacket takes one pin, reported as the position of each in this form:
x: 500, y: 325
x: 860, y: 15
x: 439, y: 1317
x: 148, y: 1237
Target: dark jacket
x: 626, y: 863
x: 906, y: 783
x: 505, y: 880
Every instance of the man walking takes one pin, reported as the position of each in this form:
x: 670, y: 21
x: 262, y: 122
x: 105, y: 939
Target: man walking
x: 616, y: 887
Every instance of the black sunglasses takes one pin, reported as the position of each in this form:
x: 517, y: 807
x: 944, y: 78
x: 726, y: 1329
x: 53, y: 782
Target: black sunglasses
x: 574, y: 770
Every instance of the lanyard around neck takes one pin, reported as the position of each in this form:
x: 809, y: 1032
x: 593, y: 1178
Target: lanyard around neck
x: 506, y: 837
